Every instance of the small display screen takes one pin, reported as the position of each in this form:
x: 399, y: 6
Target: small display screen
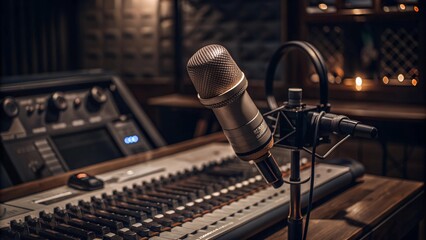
x: 87, y: 148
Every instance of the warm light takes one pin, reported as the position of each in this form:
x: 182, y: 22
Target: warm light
x: 400, y: 77
x: 356, y: 11
x: 338, y: 80
x: 322, y: 6
x: 414, y: 82
x: 330, y: 78
x: 385, y: 80
x: 416, y: 9
x: 315, y: 78
x: 358, y: 83
x: 402, y: 6
x: 386, y: 9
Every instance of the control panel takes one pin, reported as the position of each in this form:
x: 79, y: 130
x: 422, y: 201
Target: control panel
x: 56, y: 123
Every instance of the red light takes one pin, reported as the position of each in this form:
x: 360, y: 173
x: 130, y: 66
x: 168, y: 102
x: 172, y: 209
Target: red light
x: 81, y: 175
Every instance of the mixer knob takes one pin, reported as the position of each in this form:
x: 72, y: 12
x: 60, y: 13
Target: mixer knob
x: 58, y: 101
x: 98, y: 95
x: 10, y: 107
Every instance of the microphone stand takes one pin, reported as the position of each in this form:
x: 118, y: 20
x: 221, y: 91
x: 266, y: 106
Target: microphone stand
x: 291, y: 124
x: 295, y: 114
x: 295, y: 217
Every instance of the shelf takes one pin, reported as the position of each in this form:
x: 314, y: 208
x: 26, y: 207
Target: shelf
x: 370, y: 110
x: 359, y: 15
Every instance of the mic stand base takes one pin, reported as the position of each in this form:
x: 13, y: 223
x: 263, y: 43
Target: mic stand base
x: 295, y: 229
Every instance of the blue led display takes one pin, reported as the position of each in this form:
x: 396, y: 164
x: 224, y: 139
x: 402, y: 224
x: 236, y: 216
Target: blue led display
x: 131, y: 139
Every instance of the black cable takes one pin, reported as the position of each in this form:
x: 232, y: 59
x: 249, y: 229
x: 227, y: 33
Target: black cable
x: 311, y: 185
x: 314, y: 56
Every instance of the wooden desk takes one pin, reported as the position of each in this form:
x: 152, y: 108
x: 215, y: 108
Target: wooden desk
x: 375, y: 208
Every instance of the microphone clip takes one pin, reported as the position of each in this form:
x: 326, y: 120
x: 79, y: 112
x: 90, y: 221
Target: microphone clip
x: 291, y: 123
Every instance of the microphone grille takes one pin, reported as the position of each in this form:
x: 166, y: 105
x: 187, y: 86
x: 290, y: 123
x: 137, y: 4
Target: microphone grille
x: 213, y: 71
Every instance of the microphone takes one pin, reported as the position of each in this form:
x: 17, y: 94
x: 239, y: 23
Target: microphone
x: 341, y: 124
x: 221, y: 86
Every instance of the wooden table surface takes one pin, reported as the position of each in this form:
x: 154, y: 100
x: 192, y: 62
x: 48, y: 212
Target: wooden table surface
x: 375, y: 208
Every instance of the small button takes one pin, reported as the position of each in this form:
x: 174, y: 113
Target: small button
x: 47, y: 155
x: 39, y: 130
x: 7, y: 137
x: 56, y: 169
x: 45, y: 149
x: 30, y: 109
x: 84, y: 181
x: 57, y: 126
x: 40, y: 143
x: 76, y: 123
x: 40, y: 108
x: 20, y: 135
x: 81, y: 175
x: 51, y: 162
x: 52, y: 158
x: 77, y: 102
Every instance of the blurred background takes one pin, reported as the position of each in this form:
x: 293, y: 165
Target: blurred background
x: 374, y: 50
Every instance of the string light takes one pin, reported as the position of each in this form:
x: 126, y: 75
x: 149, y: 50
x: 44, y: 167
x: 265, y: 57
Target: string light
x: 323, y: 6
x: 358, y: 83
x: 385, y: 80
x: 416, y: 9
x: 400, y: 77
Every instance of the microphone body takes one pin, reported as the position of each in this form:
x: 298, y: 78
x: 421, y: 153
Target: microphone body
x: 340, y: 124
x: 241, y: 121
x: 300, y: 133
x: 221, y: 86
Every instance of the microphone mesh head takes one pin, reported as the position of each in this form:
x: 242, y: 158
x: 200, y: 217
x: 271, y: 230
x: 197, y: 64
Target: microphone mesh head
x: 213, y: 71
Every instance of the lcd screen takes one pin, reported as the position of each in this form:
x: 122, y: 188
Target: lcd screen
x: 86, y: 148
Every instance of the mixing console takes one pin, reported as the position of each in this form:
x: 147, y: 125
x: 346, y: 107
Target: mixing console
x: 204, y: 193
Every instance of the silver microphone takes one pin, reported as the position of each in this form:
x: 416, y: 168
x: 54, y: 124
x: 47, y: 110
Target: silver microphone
x: 221, y: 86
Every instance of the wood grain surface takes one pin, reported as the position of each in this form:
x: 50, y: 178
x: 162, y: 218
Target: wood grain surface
x: 375, y: 208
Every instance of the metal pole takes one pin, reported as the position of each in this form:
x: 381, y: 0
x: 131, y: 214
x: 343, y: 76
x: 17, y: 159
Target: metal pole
x: 295, y: 218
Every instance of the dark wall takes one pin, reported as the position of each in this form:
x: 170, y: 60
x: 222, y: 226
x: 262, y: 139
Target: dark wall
x: 38, y: 36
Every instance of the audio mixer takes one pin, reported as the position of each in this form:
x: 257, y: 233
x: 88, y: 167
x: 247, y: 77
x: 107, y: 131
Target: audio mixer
x: 201, y: 193
x: 54, y: 123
